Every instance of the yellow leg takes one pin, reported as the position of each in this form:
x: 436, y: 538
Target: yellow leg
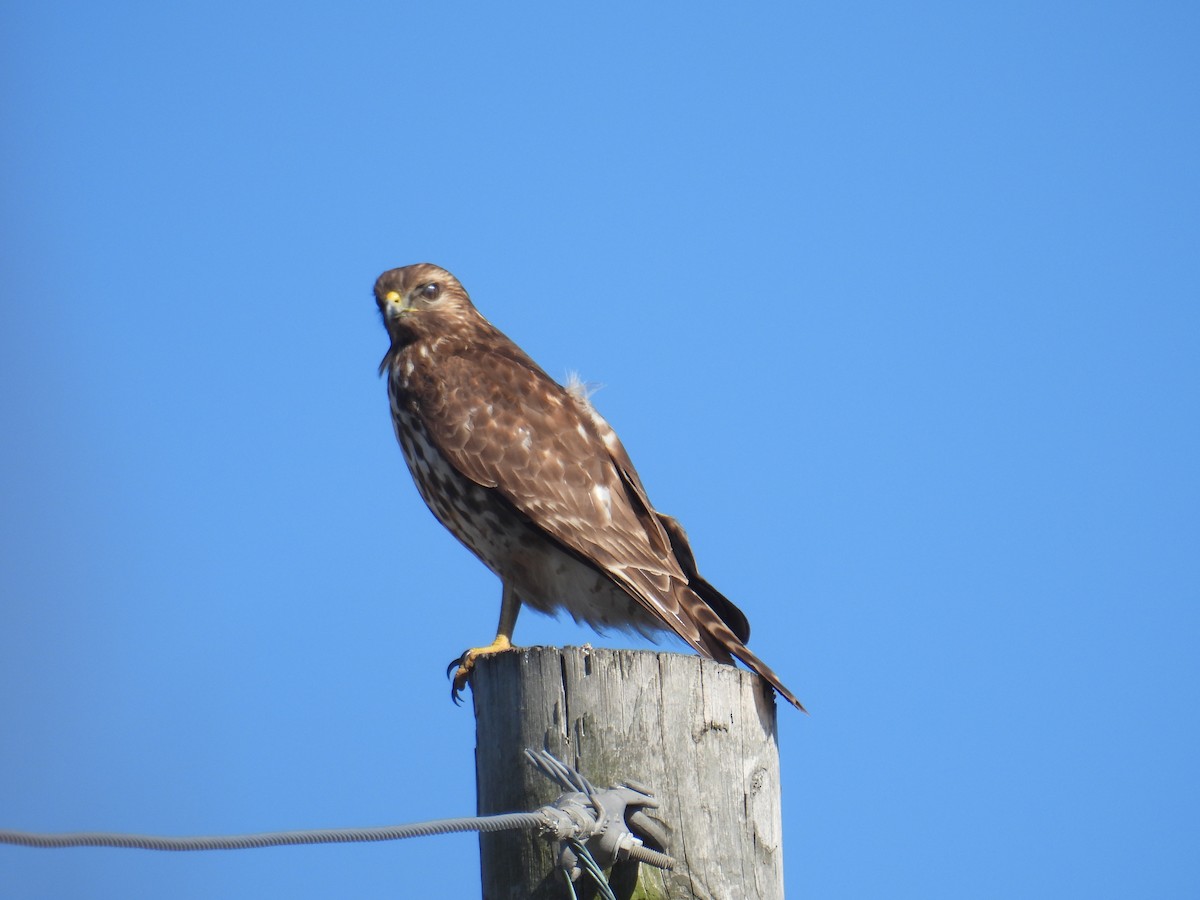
x: 510, y: 605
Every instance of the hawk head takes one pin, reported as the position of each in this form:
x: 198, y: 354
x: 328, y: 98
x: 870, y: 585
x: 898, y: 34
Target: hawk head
x: 419, y: 299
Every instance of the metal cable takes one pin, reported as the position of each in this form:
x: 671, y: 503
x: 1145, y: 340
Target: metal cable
x: 274, y: 838
x: 588, y: 864
x: 559, y: 772
x: 560, y: 819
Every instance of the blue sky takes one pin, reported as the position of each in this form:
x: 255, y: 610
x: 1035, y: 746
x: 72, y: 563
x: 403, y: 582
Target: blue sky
x: 896, y: 307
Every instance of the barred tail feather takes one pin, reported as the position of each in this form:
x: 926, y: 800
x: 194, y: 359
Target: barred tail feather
x: 765, y: 672
x: 717, y: 641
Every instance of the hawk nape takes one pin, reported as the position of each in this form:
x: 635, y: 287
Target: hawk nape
x: 529, y: 477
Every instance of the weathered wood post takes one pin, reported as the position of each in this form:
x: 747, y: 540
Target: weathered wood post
x: 701, y: 735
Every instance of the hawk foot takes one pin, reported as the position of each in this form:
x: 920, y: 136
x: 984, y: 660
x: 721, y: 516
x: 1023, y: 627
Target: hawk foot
x: 465, y: 664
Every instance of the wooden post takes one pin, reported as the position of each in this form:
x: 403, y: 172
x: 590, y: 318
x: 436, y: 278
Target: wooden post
x: 699, y: 734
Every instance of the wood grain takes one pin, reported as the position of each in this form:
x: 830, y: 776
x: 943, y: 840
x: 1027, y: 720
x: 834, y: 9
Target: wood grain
x: 700, y: 734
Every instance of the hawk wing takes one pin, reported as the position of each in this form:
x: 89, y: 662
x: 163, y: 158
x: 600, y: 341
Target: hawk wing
x: 733, y: 617
x: 505, y: 424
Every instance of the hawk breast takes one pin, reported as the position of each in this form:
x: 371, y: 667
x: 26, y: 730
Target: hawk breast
x: 545, y: 576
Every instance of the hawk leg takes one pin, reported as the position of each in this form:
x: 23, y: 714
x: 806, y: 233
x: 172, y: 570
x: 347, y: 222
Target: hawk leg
x: 510, y: 605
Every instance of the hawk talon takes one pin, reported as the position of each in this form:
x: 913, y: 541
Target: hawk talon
x: 466, y: 664
x: 461, y: 676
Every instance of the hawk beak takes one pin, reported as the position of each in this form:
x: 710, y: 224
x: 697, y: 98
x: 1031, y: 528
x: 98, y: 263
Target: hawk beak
x: 396, y: 304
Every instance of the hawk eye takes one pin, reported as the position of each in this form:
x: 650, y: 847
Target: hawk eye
x: 431, y: 291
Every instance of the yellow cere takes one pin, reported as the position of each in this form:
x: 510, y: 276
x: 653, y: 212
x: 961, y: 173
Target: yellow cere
x: 392, y: 296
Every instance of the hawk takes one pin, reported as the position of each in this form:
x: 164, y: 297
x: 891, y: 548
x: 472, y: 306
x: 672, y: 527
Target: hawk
x: 535, y: 483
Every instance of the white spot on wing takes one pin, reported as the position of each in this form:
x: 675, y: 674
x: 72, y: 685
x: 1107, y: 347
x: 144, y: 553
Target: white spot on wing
x: 603, y: 501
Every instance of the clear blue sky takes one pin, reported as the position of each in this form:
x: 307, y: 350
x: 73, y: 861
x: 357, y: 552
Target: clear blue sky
x: 896, y: 307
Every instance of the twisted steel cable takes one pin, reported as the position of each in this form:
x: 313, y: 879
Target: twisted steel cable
x: 274, y: 838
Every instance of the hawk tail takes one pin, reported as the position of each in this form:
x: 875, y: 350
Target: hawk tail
x: 718, y: 641
x: 742, y: 652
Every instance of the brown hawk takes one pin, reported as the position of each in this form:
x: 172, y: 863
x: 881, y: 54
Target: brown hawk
x: 529, y: 477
